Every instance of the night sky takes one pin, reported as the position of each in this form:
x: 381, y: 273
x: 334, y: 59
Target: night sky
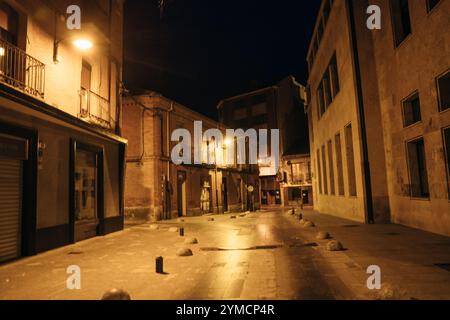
x: 202, y: 51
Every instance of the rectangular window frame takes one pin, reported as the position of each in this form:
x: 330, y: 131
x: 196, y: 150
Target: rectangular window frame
x: 404, y: 103
x: 447, y: 158
x: 411, y: 195
x: 431, y: 8
x: 438, y: 91
x: 398, y: 42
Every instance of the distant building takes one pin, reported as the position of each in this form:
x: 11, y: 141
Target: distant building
x: 378, y: 113
x: 157, y: 188
x: 296, y: 183
x: 277, y: 107
x: 61, y: 157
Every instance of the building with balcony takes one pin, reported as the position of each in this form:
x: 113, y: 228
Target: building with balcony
x: 277, y: 107
x: 296, y: 183
x: 61, y: 157
x: 378, y: 113
x: 159, y: 189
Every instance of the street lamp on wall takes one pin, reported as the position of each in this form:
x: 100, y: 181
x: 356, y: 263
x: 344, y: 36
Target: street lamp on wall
x: 82, y: 44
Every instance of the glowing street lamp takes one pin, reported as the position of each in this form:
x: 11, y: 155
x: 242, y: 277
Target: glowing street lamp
x: 228, y: 142
x: 83, y: 44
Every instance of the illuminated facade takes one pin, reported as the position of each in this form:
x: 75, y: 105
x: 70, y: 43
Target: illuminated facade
x: 61, y: 157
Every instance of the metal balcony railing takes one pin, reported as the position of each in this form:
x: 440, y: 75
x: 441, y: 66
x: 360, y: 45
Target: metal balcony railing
x: 95, y: 109
x: 20, y: 70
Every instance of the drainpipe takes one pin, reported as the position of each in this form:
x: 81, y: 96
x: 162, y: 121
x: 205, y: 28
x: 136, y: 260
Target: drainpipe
x: 168, y: 151
x: 359, y: 94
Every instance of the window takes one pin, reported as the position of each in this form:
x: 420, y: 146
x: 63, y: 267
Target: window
x: 320, y: 30
x: 319, y: 171
x: 259, y: 109
x: 240, y: 114
x: 431, y: 4
x: 418, y: 175
x: 320, y: 101
x: 334, y: 76
x: 350, y: 161
x: 308, y: 175
x: 326, y: 11
x: 340, y: 171
x: 310, y: 62
x: 86, y: 71
x: 8, y: 24
x: 328, y: 87
x: 85, y: 185
x: 446, y: 134
x: 400, y: 20
x: 411, y: 110
x: 324, y: 168
x: 443, y: 84
x: 331, y: 166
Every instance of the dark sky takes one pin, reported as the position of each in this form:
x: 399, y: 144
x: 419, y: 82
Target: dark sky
x: 202, y: 51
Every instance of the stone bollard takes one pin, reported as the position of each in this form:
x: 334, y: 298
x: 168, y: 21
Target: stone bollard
x: 184, y: 252
x: 334, y: 245
x: 159, y: 265
x: 181, y: 232
x: 308, y: 224
x: 322, y: 235
x: 116, y: 294
x: 191, y: 241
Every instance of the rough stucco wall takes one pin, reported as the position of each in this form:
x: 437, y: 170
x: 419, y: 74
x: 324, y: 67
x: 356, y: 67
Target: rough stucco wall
x: 62, y: 80
x: 414, y: 65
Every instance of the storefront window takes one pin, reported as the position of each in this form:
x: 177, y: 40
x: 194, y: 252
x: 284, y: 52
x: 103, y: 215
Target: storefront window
x: 85, y: 186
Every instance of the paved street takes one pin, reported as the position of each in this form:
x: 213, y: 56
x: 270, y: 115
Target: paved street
x: 264, y: 255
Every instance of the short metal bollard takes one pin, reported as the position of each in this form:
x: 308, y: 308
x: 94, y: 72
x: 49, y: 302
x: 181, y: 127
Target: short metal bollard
x: 159, y: 265
x: 181, y: 232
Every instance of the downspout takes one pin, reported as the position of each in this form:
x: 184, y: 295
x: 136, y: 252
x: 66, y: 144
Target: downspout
x: 359, y: 95
x: 168, y: 135
x: 168, y: 138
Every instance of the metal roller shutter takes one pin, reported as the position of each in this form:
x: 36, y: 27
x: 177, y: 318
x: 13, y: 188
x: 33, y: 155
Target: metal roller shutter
x: 10, y: 208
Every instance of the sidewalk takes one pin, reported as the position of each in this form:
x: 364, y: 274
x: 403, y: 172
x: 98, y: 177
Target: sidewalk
x: 414, y: 263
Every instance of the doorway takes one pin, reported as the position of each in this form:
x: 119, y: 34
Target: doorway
x: 17, y: 192
x: 181, y: 193
x: 10, y: 208
x: 87, y: 192
x: 225, y: 194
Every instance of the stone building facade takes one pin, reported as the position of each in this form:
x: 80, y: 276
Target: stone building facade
x: 378, y: 112
x: 296, y: 181
x: 156, y: 187
x: 277, y: 107
x: 61, y: 154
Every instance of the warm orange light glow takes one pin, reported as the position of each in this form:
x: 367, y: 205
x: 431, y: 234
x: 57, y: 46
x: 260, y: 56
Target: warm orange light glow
x: 83, y: 44
x: 228, y: 142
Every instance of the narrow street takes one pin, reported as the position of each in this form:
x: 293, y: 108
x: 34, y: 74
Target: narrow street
x: 263, y: 255
x: 259, y: 256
